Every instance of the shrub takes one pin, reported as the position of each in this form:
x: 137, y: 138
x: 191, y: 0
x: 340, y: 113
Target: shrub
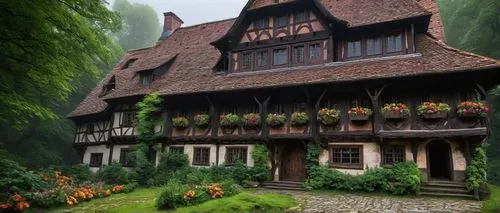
x: 79, y: 173
x: 276, y: 120
x: 172, y: 161
x: 312, y: 156
x: 17, y: 179
x: 299, y: 118
x: 260, y: 171
x: 180, y: 122
x: 48, y: 198
x: 402, y: 178
x: 328, y: 117
x: 113, y: 174
x: 202, y: 120
x: 475, y: 173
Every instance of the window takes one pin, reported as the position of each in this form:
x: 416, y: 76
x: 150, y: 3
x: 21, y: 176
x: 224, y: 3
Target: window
x: 128, y: 119
x: 281, y: 21
x: 393, y: 154
x: 124, y: 157
x: 247, y: 60
x: 129, y: 63
x: 261, y: 23
x: 235, y: 154
x: 95, y: 160
x: 354, y: 48
x: 300, y: 17
x: 314, y: 51
x: 349, y: 157
x: 280, y: 56
x: 373, y: 46
x: 201, y: 156
x: 394, y: 42
x: 176, y: 149
x: 146, y: 78
x: 298, y: 55
x: 262, y: 59
x: 89, y: 128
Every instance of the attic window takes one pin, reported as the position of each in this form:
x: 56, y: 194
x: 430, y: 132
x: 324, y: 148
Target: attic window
x: 281, y: 21
x: 129, y: 63
x: 110, y: 86
x: 146, y: 78
x: 300, y: 17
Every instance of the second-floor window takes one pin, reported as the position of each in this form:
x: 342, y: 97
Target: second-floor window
x: 394, y: 42
x: 281, y: 21
x: 89, y: 128
x: 261, y: 59
x: 261, y: 23
x: 354, y: 48
x: 300, y: 17
x: 280, y: 56
x: 146, y: 78
x: 247, y: 61
x: 314, y: 51
x: 127, y: 119
x: 298, y: 55
x: 373, y: 46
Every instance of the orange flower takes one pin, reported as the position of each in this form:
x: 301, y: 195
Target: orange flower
x: 5, y: 206
x: 17, y: 197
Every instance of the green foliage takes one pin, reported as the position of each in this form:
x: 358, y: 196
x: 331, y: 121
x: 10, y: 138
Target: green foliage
x: 276, y: 120
x: 251, y: 120
x: 180, y: 122
x: 260, y: 171
x: 328, y: 117
x: 172, y: 161
x: 299, y: 118
x: 312, y: 156
x: 202, y: 120
x: 141, y: 25
x: 493, y: 204
x: 402, y: 178
x: 49, y: 198
x: 45, y: 45
x: 431, y: 107
x: 113, y: 174
x: 229, y: 120
x: 244, y: 202
x: 475, y: 173
x: 472, y: 25
x: 17, y: 179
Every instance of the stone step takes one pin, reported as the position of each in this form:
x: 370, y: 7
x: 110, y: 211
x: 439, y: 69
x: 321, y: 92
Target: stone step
x: 443, y: 189
x: 445, y: 184
x: 438, y: 194
x: 283, y: 183
x: 283, y: 188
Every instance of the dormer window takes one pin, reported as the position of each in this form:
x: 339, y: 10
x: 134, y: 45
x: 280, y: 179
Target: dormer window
x: 280, y: 56
x: 394, y: 42
x: 281, y: 21
x: 373, y: 46
x: 261, y: 23
x: 261, y: 61
x: 300, y: 17
x: 298, y: 55
x: 354, y: 48
x: 110, y: 86
x: 129, y: 63
x: 247, y: 60
x: 146, y: 78
x: 314, y: 52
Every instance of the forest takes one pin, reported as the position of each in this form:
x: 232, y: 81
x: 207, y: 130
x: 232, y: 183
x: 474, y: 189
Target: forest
x: 45, y: 73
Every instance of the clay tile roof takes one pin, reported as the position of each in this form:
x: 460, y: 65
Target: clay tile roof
x: 194, y: 57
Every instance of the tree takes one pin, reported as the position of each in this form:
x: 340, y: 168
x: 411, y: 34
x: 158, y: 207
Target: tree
x: 141, y: 25
x: 46, y: 46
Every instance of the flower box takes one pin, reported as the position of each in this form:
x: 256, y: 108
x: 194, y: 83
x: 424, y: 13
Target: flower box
x: 202, y: 121
x: 328, y: 117
x: 359, y: 114
x: 393, y: 115
x: 437, y: 115
x: 228, y: 130
x: 251, y: 121
x: 431, y: 110
x: 276, y: 120
x: 469, y: 109
x: 356, y: 117
x: 395, y: 111
x: 300, y: 119
x: 180, y: 123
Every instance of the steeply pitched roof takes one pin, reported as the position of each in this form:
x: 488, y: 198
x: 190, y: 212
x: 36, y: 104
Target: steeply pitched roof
x: 191, y: 71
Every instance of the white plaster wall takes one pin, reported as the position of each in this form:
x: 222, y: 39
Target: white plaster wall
x: 96, y: 149
x: 189, y: 149
x: 117, y: 152
x: 371, y: 157
x: 222, y: 153
x: 459, y: 162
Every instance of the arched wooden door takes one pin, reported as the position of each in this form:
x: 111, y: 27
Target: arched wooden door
x: 294, y: 163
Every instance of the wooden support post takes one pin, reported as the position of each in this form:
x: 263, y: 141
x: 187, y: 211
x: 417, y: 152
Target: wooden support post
x: 315, y: 129
x: 213, y: 116
x: 488, y: 104
x: 377, y: 117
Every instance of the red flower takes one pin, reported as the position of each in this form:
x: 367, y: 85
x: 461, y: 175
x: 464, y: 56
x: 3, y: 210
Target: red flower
x: 17, y: 197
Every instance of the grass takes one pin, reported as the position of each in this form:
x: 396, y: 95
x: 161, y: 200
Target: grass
x: 493, y: 204
x: 143, y: 200
x: 244, y: 202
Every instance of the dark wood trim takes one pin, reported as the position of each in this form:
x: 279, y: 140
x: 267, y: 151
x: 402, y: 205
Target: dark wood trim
x: 444, y: 133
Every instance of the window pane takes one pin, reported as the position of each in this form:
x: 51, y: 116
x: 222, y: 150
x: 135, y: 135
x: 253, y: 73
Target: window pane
x: 314, y: 51
x: 262, y: 23
x: 300, y: 17
x: 280, y: 57
x: 298, y: 54
x: 247, y: 60
x: 393, y: 154
x: 373, y: 46
x: 281, y: 21
x: 354, y: 49
x: 262, y: 59
x: 394, y: 42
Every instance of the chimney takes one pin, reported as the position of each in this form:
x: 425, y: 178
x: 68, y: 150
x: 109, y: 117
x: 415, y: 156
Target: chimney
x: 171, y: 23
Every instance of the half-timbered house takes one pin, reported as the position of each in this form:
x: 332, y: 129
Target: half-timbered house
x: 292, y: 61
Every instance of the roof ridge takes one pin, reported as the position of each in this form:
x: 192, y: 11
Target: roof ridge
x: 205, y: 23
x: 462, y: 52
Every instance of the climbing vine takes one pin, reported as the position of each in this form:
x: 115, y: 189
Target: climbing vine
x: 476, y: 171
x: 312, y: 156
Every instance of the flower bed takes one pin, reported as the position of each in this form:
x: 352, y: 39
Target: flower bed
x: 431, y: 110
x: 202, y: 120
x: 469, y: 109
x: 299, y: 118
x: 251, y: 121
x: 276, y: 120
x: 328, y: 117
x: 395, y: 111
x: 180, y: 123
x: 359, y: 114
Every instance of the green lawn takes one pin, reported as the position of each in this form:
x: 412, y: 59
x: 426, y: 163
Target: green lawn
x: 143, y: 201
x: 493, y: 204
